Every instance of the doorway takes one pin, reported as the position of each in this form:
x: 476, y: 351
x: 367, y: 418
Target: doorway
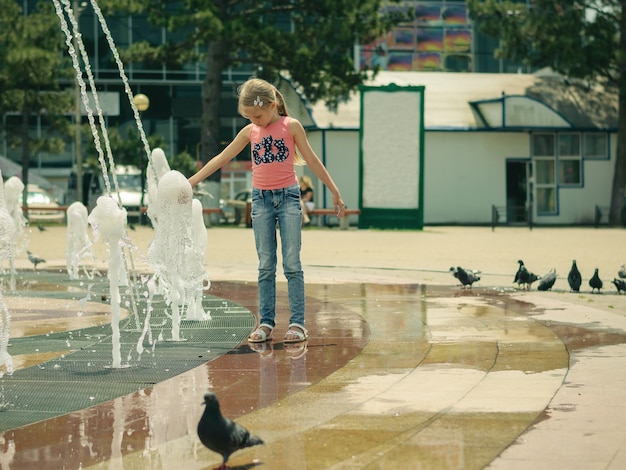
x: 517, y: 178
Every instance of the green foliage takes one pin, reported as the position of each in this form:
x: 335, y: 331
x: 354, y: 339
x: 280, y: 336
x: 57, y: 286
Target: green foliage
x: 584, y: 39
x: 125, y: 143
x: 574, y: 38
x: 127, y: 149
x: 31, y: 64
x: 312, y: 41
x: 184, y: 163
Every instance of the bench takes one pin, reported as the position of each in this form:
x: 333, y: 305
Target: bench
x: 344, y: 222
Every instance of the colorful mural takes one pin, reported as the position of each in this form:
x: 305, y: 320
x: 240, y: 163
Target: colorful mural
x: 439, y: 39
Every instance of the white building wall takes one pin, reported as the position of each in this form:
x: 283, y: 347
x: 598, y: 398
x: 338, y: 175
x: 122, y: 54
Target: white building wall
x: 339, y: 151
x: 465, y: 174
x: 577, y: 204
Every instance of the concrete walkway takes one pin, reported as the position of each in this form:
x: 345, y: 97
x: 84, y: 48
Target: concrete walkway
x: 446, y: 378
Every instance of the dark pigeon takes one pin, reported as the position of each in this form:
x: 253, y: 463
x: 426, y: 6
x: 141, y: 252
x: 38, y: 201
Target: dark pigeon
x: 523, y: 277
x: 574, y: 279
x: 466, y: 277
x: 620, y: 284
x: 532, y: 277
x: 35, y: 259
x: 522, y: 274
x: 621, y: 272
x: 221, y: 434
x: 595, y: 282
x: 547, y: 280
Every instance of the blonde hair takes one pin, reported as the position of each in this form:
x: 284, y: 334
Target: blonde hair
x: 258, y: 92
x: 307, y: 181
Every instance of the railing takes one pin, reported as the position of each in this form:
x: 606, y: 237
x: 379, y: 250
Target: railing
x: 510, y: 215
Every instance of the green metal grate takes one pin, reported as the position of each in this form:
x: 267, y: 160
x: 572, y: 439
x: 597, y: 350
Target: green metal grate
x: 81, y: 376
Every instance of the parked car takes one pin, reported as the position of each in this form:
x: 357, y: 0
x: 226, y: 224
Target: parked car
x: 129, y: 182
x: 238, y: 207
x: 41, y: 206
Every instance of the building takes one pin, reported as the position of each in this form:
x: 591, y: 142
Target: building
x: 520, y: 144
x: 534, y: 146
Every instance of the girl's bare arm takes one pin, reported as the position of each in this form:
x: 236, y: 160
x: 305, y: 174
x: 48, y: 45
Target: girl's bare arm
x: 315, y: 164
x: 231, y: 151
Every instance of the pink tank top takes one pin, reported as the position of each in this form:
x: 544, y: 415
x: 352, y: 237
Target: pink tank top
x: 273, y: 151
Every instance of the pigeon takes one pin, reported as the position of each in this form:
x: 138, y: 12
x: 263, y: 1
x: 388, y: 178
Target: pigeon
x: 595, y: 282
x: 547, y: 280
x: 620, y: 284
x: 41, y: 228
x: 574, y: 279
x: 523, y: 277
x: 220, y: 434
x: 532, y: 277
x: 522, y: 274
x: 35, y: 259
x: 466, y: 277
x: 621, y: 272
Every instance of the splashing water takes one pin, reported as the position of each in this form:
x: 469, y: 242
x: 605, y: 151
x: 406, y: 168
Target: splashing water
x: 13, y: 190
x: 7, y: 236
x: 157, y: 167
x: 199, y: 279
x: 7, y: 249
x: 108, y: 221
x: 78, y: 244
x: 6, y: 361
x: 173, y: 256
x: 178, y: 249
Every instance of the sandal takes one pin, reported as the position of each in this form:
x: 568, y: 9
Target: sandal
x: 264, y: 349
x: 296, y: 351
x: 259, y: 335
x: 296, y: 334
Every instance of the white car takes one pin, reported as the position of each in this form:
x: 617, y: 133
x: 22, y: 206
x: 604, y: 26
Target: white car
x: 41, y: 206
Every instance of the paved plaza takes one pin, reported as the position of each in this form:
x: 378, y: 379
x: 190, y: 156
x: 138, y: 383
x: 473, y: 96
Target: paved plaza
x: 403, y: 368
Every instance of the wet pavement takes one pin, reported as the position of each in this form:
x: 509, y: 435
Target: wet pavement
x: 403, y: 368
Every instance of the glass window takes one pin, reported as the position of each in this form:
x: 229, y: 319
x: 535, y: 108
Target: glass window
x: 543, y: 145
x: 569, y: 145
x: 546, y: 201
x: 569, y: 171
x: 544, y: 171
x: 596, y: 146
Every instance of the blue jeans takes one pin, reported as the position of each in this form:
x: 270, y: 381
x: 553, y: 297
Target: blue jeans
x: 269, y: 208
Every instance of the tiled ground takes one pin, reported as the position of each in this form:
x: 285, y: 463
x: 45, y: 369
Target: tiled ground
x: 402, y: 370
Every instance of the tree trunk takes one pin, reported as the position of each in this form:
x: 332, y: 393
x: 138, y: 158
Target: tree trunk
x: 211, y: 94
x: 619, y: 176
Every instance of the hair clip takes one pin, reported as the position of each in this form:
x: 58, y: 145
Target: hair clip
x: 258, y: 102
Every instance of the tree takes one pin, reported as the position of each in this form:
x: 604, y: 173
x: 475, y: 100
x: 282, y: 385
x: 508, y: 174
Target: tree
x: 581, y: 39
x: 312, y: 41
x: 128, y: 149
x: 31, y: 63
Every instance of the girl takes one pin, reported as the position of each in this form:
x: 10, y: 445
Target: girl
x: 275, y: 139
x: 306, y: 195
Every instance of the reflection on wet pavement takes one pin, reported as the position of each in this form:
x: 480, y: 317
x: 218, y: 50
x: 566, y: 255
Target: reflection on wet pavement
x: 393, y: 376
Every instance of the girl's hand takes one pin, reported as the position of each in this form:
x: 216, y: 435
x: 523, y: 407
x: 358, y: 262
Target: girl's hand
x: 339, y: 205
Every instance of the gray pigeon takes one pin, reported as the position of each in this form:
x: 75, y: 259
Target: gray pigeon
x: 574, y: 279
x: 621, y: 272
x: 221, y: 434
x: 547, y: 280
x: 523, y: 277
x: 595, y: 282
x: 620, y: 284
x: 35, y: 259
x: 466, y: 277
